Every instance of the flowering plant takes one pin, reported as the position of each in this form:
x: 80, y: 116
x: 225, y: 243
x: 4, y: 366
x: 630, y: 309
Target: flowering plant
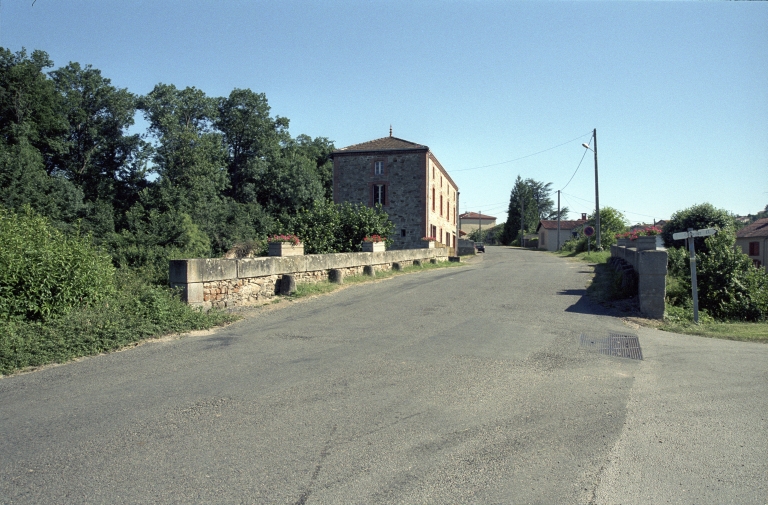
x: 276, y: 239
x: 648, y: 231
x: 374, y: 238
x: 428, y: 239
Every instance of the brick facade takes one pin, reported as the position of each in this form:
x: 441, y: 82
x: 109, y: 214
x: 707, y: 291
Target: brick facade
x: 418, y: 195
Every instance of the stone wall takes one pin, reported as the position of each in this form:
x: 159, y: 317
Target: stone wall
x: 229, y: 282
x: 649, y: 262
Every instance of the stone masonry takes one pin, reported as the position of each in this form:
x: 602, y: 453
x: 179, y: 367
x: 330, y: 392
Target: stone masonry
x: 225, y: 283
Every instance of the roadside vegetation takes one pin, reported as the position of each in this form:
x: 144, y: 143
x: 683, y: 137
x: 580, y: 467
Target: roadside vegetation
x: 733, y: 294
x: 92, y: 210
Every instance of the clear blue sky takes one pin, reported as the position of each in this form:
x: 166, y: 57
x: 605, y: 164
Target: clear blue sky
x: 678, y: 91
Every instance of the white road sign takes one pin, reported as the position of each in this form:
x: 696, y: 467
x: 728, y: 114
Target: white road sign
x: 706, y: 232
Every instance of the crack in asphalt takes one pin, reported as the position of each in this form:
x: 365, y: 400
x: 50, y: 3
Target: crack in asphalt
x: 323, y: 455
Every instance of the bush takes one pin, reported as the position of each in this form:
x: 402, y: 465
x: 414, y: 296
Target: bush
x: 696, y: 217
x: 729, y: 286
x: 135, y: 311
x: 43, y: 273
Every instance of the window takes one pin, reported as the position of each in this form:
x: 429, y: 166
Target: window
x: 754, y: 248
x: 756, y: 263
x: 402, y: 232
x: 441, y: 181
x: 433, y: 172
x: 441, y: 205
x: 379, y: 194
x: 433, y: 199
x: 378, y: 167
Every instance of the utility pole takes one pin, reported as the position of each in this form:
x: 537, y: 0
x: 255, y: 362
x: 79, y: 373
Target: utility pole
x: 522, y: 221
x: 597, y: 196
x: 480, y: 224
x: 558, y: 220
x: 597, y: 191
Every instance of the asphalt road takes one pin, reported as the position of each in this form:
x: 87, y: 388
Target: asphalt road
x: 463, y: 385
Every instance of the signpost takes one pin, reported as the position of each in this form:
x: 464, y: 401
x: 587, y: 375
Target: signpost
x: 689, y: 236
x: 588, y: 231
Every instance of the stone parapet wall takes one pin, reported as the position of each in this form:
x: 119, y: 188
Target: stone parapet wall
x: 651, y: 268
x: 221, y: 283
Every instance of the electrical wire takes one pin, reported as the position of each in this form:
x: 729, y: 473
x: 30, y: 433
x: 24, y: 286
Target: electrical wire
x: 522, y: 157
x: 577, y: 169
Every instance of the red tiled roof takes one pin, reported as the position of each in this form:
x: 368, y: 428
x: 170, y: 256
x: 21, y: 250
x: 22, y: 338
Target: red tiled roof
x: 475, y: 215
x: 564, y: 225
x: 382, y: 144
x: 757, y: 229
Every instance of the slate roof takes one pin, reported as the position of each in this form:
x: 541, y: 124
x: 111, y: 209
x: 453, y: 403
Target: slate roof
x: 475, y: 215
x: 564, y: 225
x: 382, y: 144
x: 757, y: 229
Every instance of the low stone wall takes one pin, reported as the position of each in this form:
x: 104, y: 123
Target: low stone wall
x: 650, y: 266
x: 465, y: 247
x: 230, y: 282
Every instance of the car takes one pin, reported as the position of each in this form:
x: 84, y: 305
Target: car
x: 480, y: 247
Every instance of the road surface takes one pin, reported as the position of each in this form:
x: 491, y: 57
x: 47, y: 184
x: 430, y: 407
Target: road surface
x: 461, y: 385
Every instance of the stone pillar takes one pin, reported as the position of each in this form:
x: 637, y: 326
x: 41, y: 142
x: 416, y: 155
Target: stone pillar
x: 652, y: 275
x: 336, y: 276
x: 287, y: 284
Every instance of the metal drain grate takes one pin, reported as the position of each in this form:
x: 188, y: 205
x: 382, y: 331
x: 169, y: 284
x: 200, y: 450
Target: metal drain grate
x: 620, y: 345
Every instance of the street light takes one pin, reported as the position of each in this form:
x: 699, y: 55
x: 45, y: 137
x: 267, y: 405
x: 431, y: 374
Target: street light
x: 597, y: 191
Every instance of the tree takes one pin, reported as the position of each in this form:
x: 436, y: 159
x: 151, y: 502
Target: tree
x: 696, y: 217
x: 612, y: 222
x: 534, y: 196
x: 190, y: 155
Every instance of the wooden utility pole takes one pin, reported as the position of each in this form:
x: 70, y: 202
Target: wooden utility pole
x: 558, y: 220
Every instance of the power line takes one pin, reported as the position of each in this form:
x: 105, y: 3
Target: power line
x: 577, y: 169
x: 523, y: 157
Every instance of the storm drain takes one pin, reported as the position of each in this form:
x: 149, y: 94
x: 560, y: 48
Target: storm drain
x: 620, y: 345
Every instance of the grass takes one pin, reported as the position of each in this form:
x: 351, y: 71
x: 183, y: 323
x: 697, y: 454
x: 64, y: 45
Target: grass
x: 323, y: 287
x: 605, y: 290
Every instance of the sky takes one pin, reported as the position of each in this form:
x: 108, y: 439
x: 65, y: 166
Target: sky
x: 677, y: 91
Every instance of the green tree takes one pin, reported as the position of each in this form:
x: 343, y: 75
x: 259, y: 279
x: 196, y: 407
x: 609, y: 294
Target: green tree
x: 534, y: 197
x: 696, y: 217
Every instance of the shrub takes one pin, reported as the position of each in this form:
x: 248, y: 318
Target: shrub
x: 44, y: 273
x: 696, y: 217
x: 729, y: 286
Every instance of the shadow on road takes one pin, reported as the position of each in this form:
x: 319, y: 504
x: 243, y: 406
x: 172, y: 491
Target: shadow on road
x: 586, y: 305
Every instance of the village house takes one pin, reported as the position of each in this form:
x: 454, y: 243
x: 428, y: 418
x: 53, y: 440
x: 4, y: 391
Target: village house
x: 408, y: 181
x: 753, y: 240
x: 547, y: 232
x: 471, y: 221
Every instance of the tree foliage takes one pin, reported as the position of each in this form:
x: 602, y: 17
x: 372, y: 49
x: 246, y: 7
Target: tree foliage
x: 533, y: 198
x: 696, y: 217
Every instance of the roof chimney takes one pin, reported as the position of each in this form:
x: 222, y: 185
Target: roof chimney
x: 583, y: 216
x: 390, y: 130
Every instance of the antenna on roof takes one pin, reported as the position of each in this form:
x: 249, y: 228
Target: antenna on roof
x: 390, y: 130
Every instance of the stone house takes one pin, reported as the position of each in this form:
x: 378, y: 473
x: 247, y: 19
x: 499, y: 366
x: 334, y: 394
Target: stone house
x: 547, y: 232
x: 407, y: 180
x: 753, y: 240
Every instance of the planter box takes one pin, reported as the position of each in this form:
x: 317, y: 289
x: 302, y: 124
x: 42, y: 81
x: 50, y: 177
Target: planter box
x: 285, y: 249
x: 374, y: 247
x: 622, y: 242
x: 429, y: 244
x: 648, y: 243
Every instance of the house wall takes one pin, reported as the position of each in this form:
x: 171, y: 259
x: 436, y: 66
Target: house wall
x: 470, y: 225
x: 404, y: 177
x: 550, y: 238
x: 443, y: 219
x: 743, y: 243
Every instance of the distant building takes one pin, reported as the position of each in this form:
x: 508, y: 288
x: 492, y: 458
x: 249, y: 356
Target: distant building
x: 547, y: 232
x: 753, y: 240
x: 471, y: 221
x: 406, y: 178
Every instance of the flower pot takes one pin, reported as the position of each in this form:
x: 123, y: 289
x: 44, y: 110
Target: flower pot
x: 374, y: 247
x: 285, y: 249
x: 429, y: 244
x: 622, y: 242
x: 649, y: 243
